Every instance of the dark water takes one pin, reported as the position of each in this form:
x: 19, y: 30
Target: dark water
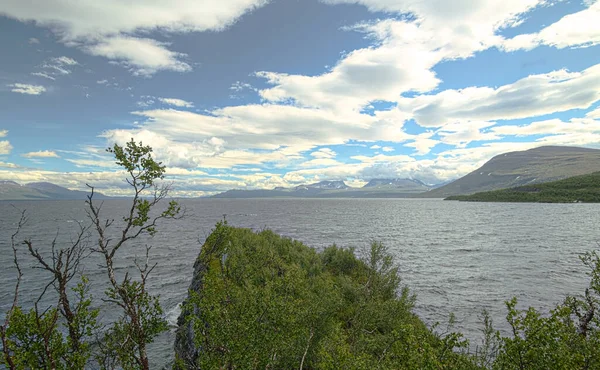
x: 457, y: 257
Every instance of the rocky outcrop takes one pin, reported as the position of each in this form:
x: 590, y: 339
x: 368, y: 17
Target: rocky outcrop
x: 186, y: 352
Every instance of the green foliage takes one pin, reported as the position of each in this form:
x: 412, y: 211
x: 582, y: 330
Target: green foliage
x: 137, y: 160
x: 35, y: 339
x: 142, y: 322
x: 568, y: 337
x: 585, y: 189
x: 271, y: 302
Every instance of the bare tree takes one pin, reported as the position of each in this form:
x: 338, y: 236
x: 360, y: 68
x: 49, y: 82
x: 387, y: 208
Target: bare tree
x: 6, y: 351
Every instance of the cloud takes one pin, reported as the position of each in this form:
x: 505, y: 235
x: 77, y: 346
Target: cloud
x: 585, y: 128
x: 437, y: 31
x: 142, y: 56
x: 106, y: 30
x: 324, y: 153
x: 461, y: 133
x: 74, y: 20
x: 59, y: 65
x: 27, y: 89
x: 43, y: 74
x: 3, y: 133
x: 41, y: 154
x: 65, y: 61
x: 375, y: 147
x: 176, y: 102
x: 387, y: 149
x: 535, y: 95
x: 580, y: 29
x: 7, y: 164
x: 5, y: 147
x: 594, y: 114
x: 33, y: 40
x: 320, y: 162
x: 240, y: 86
x: 423, y: 143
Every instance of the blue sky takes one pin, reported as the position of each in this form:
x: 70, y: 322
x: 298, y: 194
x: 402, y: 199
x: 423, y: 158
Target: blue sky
x: 258, y: 94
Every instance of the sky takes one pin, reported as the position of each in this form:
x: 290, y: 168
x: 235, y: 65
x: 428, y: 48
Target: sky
x: 252, y: 94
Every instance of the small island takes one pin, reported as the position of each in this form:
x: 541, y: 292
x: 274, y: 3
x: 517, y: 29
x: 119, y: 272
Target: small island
x: 577, y: 189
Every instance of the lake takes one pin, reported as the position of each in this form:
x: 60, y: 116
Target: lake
x: 457, y: 257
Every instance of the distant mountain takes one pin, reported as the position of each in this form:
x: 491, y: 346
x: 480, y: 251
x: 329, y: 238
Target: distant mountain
x: 324, y: 185
x: 10, y: 190
x: 377, y: 188
x: 410, y: 185
x: 543, y: 164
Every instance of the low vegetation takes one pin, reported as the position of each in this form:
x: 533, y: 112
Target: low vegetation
x: 584, y: 189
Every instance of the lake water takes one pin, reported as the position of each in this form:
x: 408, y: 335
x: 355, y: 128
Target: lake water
x: 457, y: 257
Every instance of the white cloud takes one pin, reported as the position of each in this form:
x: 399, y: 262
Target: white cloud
x: 576, y: 126
x: 3, y: 133
x: 423, y: 143
x: 59, y: 65
x: 534, y: 95
x: 404, y: 53
x: 8, y: 165
x: 324, y: 153
x: 320, y: 162
x: 250, y: 134
x: 27, y: 89
x: 375, y: 147
x: 102, y: 82
x: 260, y: 126
x: 103, y: 30
x: 176, y: 102
x: 240, y: 86
x: 142, y: 56
x: 43, y: 74
x: 594, y: 114
x: 41, y: 154
x: 75, y: 20
x: 580, y: 29
x: 461, y: 133
x: 33, y: 40
x: 5, y: 147
x: 65, y: 61
x: 387, y: 149
x: 382, y: 158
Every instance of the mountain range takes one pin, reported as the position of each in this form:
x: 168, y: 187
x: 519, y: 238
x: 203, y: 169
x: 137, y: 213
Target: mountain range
x: 376, y: 188
x: 10, y: 190
x: 543, y: 164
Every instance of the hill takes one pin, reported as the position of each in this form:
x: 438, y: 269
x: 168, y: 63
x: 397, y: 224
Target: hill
x: 584, y: 188
x: 376, y: 188
x: 543, y: 164
x: 10, y: 190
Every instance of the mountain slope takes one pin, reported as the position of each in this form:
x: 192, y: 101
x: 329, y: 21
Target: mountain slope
x: 543, y: 164
x: 584, y: 189
x: 10, y: 190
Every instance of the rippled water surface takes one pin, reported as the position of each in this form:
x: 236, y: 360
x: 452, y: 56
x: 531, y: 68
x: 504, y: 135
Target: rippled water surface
x: 457, y: 257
